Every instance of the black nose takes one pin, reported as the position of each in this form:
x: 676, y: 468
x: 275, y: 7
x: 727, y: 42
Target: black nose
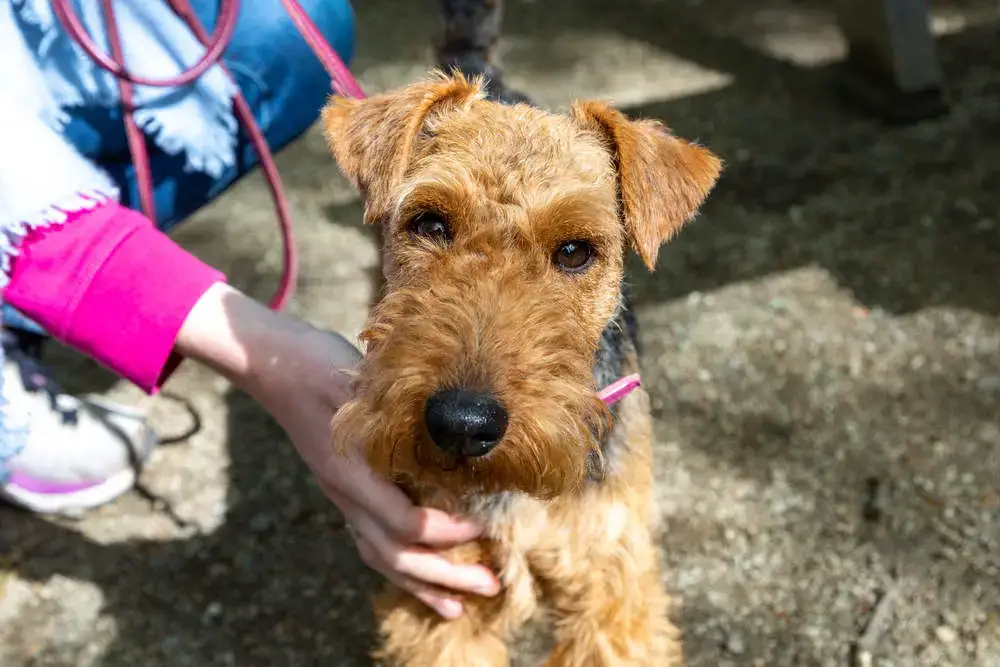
x: 464, y: 422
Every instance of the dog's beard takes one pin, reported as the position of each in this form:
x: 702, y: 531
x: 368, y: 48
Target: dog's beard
x: 541, y: 374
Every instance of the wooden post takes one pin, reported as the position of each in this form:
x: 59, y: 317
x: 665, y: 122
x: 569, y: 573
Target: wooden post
x: 892, y: 65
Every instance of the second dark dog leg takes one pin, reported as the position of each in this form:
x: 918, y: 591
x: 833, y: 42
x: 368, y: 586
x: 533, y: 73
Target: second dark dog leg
x: 468, y: 43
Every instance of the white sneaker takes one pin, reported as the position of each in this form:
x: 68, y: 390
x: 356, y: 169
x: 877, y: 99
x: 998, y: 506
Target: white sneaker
x: 74, y: 453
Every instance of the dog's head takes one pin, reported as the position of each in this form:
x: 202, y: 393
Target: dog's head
x: 505, y: 230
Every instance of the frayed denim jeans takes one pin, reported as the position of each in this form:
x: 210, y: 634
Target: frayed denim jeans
x: 282, y: 80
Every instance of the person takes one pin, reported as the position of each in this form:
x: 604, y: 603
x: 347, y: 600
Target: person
x: 80, y: 263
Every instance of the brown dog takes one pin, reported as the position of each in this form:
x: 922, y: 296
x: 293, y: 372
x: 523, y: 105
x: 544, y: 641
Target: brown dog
x: 504, y: 232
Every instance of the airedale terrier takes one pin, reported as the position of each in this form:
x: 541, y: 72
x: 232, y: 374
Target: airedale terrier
x: 505, y: 230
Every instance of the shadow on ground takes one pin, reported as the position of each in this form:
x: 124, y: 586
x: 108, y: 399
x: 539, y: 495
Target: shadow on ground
x: 903, y: 219
x: 267, y: 588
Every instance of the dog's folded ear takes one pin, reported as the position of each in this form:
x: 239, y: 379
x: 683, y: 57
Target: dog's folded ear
x: 373, y: 139
x: 663, y: 179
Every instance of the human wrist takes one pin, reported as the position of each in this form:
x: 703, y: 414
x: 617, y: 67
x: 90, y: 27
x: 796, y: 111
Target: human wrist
x: 264, y: 353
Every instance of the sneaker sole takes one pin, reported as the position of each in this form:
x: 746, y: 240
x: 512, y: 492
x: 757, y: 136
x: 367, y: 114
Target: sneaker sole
x: 64, y: 503
x: 72, y: 502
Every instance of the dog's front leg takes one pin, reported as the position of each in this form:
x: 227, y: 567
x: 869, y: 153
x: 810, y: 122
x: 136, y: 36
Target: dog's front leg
x: 413, y: 635
x: 600, y: 565
x: 612, y: 610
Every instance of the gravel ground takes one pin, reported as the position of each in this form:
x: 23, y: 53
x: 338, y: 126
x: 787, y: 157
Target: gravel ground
x: 822, y: 346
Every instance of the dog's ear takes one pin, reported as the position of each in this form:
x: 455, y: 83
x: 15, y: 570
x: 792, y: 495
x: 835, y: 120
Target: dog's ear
x: 373, y: 139
x: 663, y: 179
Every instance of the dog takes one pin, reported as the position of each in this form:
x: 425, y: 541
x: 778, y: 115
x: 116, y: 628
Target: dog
x: 505, y: 230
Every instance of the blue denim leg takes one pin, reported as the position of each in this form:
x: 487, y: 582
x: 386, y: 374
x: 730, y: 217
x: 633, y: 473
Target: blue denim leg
x: 277, y: 72
x: 282, y: 80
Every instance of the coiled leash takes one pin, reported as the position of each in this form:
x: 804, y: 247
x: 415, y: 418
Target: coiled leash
x: 215, y: 44
x: 343, y: 83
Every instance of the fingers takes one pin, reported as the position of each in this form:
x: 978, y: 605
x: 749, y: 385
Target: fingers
x: 433, y: 528
x: 446, y: 606
x: 416, y: 569
x: 397, y: 539
x: 395, y: 513
x: 424, y: 565
x: 422, y: 525
x: 412, y: 561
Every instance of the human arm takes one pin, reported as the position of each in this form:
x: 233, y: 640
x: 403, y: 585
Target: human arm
x: 108, y: 283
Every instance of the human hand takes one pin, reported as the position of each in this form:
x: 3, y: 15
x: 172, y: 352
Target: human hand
x: 301, y: 376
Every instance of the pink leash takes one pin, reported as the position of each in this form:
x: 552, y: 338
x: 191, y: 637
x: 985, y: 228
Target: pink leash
x: 343, y: 83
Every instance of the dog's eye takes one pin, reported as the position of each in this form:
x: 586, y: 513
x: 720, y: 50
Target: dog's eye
x: 431, y: 226
x: 574, y: 256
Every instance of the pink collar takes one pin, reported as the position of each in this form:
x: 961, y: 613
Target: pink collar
x: 619, y: 389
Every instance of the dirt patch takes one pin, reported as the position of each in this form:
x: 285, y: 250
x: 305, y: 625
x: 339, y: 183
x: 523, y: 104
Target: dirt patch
x: 822, y: 346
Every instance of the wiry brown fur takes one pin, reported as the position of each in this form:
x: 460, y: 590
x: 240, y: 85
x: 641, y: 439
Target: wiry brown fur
x: 490, y: 311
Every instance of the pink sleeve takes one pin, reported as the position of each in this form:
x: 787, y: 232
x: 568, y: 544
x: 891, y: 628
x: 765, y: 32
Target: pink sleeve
x: 111, y: 285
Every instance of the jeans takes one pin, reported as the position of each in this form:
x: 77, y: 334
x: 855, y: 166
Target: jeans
x: 278, y: 74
